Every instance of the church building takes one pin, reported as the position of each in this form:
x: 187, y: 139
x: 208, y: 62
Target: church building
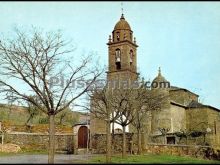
x: 184, y: 113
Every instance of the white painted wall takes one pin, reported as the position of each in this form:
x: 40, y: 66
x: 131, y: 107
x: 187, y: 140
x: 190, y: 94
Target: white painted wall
x: 116, y: 126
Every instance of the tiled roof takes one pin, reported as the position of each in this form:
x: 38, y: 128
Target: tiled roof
x: 83, y: 123
x: 122, y: 24
x: 195, y: 104
x: 174, y: 88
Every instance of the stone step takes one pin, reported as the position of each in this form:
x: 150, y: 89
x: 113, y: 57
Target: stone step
x: 82, y: 151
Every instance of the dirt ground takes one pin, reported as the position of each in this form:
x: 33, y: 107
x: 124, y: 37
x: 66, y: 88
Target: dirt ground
x: 35, y: 159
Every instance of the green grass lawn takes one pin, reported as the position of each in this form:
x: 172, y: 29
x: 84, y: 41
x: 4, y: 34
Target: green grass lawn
x: 132, y: 159
x: 151, y: 158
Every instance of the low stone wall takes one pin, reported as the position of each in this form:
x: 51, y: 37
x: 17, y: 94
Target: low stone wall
x: 210, y: 139
x: 98, y: 143
x: 9, y: 148
x: 180, y: 150
x: 36, y: 141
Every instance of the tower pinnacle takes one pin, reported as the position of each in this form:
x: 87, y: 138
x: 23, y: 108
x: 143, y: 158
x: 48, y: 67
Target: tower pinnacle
x: 159, y: 72
x: 122, y: 8
x: 122, y: 12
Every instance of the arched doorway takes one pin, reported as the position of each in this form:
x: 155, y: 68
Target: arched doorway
x: 83, y: 134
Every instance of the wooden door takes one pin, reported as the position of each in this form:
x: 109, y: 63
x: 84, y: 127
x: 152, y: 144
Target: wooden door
x: 83, y: 137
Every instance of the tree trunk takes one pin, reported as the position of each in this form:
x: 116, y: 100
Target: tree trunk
x: 113, y: 137
x: 139, y: 142
x: 124, y: 144
x: 61, y: 120
x: 108, y: 141
x: 51, y: 151
x: 30, y: 117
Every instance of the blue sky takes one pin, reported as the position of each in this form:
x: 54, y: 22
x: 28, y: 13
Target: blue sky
x: 183, y: 38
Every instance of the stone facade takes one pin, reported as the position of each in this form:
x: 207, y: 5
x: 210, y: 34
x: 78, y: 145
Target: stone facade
x: 182, y: 96
x: 97, y: 125
x: 183, y: 150
x: 204, y: 118
x: 98, y: 143
x: 36, y: 141
x: 185, y: 115
x: 182, y: 112
x: 122, y: 52
x: 122, y: 70
x: 80, y: 135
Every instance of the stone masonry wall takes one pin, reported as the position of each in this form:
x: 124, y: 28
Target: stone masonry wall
x: 34, y: 141
x: 98, y: 143
x: 179, y: 150
x: 182, y: 97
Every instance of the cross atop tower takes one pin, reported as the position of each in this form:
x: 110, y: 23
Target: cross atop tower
x: 122, y: 8
x: 159, y: 71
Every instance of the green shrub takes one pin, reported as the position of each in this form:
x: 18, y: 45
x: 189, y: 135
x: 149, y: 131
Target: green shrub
x: 44, y: 120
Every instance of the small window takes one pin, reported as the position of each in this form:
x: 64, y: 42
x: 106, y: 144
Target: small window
x: 118, y: 55
x: 170, y: 140
x: 1, y: 139
x: 118, y: 59
x: 118, y: 65
x: 118, y: 36
x: 215, y: 128
x: 125, y: 36
x: 131, y: 56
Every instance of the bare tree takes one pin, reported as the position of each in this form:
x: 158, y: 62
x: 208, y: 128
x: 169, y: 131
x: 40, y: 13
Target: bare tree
x: 10, y: 103
x: 62, y: 116
x: 145, y: 101
x: 164, y: 132
x: 32, y: 110
x: 67, y: 117
x: 183, y: 133
x: 101, y: 108
x: 123, y: 105
x: 112, y: 106
x: 42, y: 62
x: 132, y: 105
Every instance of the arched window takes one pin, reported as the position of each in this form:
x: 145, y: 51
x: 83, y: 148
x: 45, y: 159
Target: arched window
x: 118, y: 58
x: 118, y: 36
x: 131, y: 56
x: 117, y: 55
x: 131, y: 36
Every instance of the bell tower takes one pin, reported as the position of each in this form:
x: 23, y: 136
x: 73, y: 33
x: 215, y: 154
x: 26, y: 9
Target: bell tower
x: 122, y: 53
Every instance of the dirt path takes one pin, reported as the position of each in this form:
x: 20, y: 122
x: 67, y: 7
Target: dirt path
x: 59, y: 158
